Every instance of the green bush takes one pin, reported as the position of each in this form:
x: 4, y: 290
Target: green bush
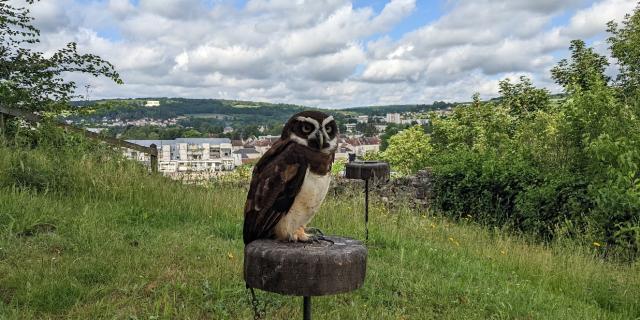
x: 553, y: 202
x: 483, y: 186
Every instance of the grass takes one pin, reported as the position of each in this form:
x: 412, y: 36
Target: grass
x: 89, y: 237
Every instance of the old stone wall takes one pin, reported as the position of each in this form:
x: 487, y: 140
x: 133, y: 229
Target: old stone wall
x: 415, y: 191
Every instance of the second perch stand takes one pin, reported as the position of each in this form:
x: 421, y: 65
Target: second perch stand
x: 378, y: 171
x: 306, y: 270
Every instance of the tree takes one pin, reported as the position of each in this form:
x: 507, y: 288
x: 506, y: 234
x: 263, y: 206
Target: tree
x: 521, y: 98
x: 585, y: 69
x: 367, y: 129
x: 28, y: 79
x: 408, y: 151
x: 390, y: 131
x: 192, y: 133
x: 624, y: 44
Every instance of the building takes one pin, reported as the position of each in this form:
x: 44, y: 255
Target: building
x: 381, y: 128
x: 269, y: 137
x: 263, y: 143
x: 363, y: 119
x: 343, y: 152
x: 152, y: 103
x: 351, y: 127
x: 237, y: 144
x: 393, y: 118
x: 443, y: 112
x: 248, y: 155
x: 95, y: 130
x: 185, y: 155
x: 359, y: 146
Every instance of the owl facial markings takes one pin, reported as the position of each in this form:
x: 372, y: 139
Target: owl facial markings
x: 313, y: 121
x: 326, y: 120
x: 317, y: 132
x: 299, y: 140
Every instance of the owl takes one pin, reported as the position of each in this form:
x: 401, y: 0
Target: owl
x: 291, y: 180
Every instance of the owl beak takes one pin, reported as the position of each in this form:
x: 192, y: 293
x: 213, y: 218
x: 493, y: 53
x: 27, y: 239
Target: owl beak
x: 320, y: 138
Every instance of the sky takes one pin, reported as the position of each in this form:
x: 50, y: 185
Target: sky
x: 322, y: 53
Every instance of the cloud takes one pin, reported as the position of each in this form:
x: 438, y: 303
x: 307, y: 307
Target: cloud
x: 120, y: 8
x: 320, y: 52
x: 50, y: 15
x: 589, y: 22
x: 173, y: 9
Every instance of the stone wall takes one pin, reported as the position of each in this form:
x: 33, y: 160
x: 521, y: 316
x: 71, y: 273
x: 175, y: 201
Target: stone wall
x: 415, y: 190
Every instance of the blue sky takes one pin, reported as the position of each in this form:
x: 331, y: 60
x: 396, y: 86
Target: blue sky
x: 425, y: 11
x: 327, y: 53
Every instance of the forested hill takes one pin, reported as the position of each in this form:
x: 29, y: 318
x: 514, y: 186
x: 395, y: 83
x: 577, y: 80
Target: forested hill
x: 130, y: 109
x: 399, y: 108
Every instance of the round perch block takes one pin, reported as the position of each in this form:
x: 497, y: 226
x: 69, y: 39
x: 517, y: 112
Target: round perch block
x: 367, y: 169
x: 305, y: 269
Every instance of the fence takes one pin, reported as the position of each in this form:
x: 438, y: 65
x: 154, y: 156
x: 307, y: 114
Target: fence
x: 152, y: 151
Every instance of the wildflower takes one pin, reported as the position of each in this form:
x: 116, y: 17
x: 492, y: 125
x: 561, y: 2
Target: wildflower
x: 597, y: 244
x: 433, y: 226
x: 502, y: 252
x: 230, y: 255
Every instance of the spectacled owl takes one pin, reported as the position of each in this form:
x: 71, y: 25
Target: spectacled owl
x: 291, y: 180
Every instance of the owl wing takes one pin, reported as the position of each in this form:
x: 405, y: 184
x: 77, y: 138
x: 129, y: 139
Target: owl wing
x: 277, y: 178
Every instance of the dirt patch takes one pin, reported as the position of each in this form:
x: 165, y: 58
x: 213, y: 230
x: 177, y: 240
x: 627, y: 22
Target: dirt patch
x: 36, y: 229
x: 6, y: 294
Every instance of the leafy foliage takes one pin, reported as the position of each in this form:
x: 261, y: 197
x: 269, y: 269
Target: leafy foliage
x: 29, y: 79
x: 522, y: 98
x: 625, y: 47
x: 412, y: 141
x: 585, y: 69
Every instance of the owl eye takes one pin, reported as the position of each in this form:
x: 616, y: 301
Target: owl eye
x: 306, y: 128
x: 328, y: 129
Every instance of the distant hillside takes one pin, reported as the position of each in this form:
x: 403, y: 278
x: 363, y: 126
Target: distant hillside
x: 227, y: 111
x: 246, y: 111
x: 382, y: 110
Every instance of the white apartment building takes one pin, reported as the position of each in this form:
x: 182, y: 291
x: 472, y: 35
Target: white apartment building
x: 393, y: 118
x: 184, y: 155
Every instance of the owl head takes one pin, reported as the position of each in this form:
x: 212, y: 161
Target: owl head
x: 313, y: 129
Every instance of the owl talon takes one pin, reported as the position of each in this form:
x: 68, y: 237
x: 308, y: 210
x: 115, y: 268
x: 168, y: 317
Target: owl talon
x: 314, y: 231
x: 319, y: 238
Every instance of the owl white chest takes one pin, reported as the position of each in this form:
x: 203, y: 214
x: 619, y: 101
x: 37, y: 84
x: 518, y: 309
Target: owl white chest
x: 312, y: 192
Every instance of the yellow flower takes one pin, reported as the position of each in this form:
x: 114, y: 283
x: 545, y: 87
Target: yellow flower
x: 433, y: 226
x: 502, y: 252
x: 597, y: 244
x: 230, y: 255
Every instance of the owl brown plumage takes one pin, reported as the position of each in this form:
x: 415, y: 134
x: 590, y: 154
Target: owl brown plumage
x: 291, y: 179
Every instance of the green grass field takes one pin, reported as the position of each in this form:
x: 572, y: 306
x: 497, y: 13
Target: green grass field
x: 89, y: 237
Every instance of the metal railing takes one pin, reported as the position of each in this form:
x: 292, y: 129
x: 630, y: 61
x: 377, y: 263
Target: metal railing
x: 152, y: 150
